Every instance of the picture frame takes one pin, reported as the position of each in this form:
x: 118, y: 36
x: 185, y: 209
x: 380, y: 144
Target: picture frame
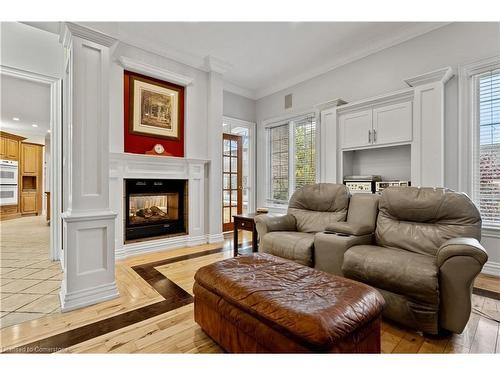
x: 155, y: 108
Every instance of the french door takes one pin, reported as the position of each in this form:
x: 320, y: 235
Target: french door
x: 232, y: 155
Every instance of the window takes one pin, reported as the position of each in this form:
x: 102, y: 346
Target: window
x: 296, y: 137
x: 486, y: 185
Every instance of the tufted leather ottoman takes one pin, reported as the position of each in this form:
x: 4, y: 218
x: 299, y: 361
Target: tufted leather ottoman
x: 264, y: 304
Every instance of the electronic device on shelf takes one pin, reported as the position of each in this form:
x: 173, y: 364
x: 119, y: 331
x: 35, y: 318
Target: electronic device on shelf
x: 361, y: 184
x: 381, y: 185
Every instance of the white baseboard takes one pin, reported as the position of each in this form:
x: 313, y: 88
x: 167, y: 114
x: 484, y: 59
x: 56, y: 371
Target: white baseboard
x: 214, y: 238
x: 491, y: 268
x: 87, y: 297
x: 163, y: 244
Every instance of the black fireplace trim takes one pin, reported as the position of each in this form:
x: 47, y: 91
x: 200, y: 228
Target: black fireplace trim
x: 155, y: 186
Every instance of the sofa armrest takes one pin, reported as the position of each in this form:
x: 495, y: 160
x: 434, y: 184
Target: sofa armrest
x: 354, y: 229
x: 268, y: 223
x: 459, y: 260
x: 461, y: 246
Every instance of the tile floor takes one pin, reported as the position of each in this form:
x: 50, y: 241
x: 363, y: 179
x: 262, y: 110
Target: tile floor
x: 29, y: 282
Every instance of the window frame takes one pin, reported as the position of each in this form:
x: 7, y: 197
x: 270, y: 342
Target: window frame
x: 290, y: 121
x: 469, y: 138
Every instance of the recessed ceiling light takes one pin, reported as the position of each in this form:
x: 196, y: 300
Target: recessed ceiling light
x: 15, y: 118
x: 48, y: 131
x: 34, y: 125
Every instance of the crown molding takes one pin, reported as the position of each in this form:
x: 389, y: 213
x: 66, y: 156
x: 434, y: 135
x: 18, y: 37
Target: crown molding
x: 153, y: 71
x: 73, y: 29
x: 440, y: 75
x: 235, y: 89
x: 332, y: 65
x: 213, y: 64
x: 330, y: 104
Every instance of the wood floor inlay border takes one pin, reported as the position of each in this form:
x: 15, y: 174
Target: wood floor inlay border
x: 175, y: 297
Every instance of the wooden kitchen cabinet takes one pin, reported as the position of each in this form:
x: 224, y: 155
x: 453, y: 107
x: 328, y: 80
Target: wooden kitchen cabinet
x: 30, y: 159
x: 31, y: 172
x: 9, y: 146
x: 29, y: 204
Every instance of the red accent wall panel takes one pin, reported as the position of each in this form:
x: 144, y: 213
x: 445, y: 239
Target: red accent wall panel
x: 138, y: 144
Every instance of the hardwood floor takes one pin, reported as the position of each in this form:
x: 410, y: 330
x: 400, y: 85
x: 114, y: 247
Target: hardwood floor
x: 154, y: 314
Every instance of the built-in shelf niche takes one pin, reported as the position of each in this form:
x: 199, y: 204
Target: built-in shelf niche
x: 29, y: 183
x: 392, y: 162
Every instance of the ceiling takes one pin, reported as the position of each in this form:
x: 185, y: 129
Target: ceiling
x: 30, y: 102
x: 265, y: 57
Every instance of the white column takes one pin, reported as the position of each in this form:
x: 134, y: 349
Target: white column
x: 88, y: 223
x: 214, y: 124
x: 427, y: 150
x: 329, y: 145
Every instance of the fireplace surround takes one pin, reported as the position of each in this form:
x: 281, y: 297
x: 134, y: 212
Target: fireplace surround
x: 155, y: 207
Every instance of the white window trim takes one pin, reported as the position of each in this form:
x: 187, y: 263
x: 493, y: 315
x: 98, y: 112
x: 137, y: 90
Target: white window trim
x: 467, y: 135
x: 282, y: 120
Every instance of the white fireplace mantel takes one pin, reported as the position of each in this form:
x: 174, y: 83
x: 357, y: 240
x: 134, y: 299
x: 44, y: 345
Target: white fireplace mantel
x: 125, y: 165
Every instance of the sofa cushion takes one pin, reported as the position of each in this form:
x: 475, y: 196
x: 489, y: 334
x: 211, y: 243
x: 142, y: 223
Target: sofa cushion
x: 398, y: 271
x: 296, y: 246
x: 422, y: 219
x: 319, y: 205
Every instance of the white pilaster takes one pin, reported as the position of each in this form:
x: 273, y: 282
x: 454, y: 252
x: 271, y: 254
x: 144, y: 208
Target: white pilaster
x: 427, y: 151
x: 88, y: 228
x: 214, y: 124
x: 328, y: 139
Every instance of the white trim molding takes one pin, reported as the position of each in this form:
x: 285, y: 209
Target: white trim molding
x: 442, y: 75
x: 213, y: 64
x: 72, y: 29
x: 491, y: 268
x: 154, y: 71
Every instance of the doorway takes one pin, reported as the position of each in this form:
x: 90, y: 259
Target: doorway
x: 232, y: 179
x: 30, y: 220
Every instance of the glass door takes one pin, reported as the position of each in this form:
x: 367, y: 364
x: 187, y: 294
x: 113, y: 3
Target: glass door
x: 231, y: 179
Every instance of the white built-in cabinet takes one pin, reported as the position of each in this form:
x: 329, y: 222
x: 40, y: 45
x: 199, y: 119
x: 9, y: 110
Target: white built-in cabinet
x: 399, y: 135
x: 379, y: 126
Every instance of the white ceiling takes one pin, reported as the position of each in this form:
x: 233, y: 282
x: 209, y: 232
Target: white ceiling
x: 30, y: 102
x: 265, y: 57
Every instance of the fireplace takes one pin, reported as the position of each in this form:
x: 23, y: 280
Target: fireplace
x: 155, y: 208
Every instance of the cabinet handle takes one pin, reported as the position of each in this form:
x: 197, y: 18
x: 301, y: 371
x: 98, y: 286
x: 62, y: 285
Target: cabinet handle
x: 374, y: 136
x: 369, y: 136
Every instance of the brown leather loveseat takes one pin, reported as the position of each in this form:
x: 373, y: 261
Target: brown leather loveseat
x: 418, y: 246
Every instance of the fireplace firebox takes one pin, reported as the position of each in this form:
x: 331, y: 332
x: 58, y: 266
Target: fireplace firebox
x: 155, y: 208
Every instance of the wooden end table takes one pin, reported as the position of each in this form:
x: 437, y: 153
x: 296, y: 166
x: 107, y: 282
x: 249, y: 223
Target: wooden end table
x: 245, y: 222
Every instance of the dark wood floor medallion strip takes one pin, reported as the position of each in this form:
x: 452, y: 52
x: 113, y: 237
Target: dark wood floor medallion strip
x: 486, y: 293
x: 173, y: 294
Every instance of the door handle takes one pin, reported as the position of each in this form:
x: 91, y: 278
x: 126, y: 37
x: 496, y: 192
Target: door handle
x: 369, y: 136
x: 374, y: 136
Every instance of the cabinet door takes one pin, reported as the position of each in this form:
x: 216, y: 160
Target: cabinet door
x: 12, y: 147
x: 29, y: 159
x: 28, y: 203
x: 3, y: 147
x: 392, y: 123
x: 355, y: 128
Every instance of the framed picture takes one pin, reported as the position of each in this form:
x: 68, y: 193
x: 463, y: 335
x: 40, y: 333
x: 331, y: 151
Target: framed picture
x: 155, y: 108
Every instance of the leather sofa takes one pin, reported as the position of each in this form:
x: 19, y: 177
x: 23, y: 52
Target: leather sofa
x: 310, y: 210
x: 418, y: 246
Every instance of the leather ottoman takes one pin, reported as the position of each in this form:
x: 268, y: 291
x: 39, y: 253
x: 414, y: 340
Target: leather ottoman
x: 264, y: 304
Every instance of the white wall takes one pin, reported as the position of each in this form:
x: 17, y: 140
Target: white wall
x: 25, y: 47
x: 451, y: 45
x: 239, y: 107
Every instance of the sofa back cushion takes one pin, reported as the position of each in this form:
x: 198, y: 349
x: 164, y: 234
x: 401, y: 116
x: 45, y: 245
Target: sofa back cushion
x: 318, y: 205
x: 421, y: 219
